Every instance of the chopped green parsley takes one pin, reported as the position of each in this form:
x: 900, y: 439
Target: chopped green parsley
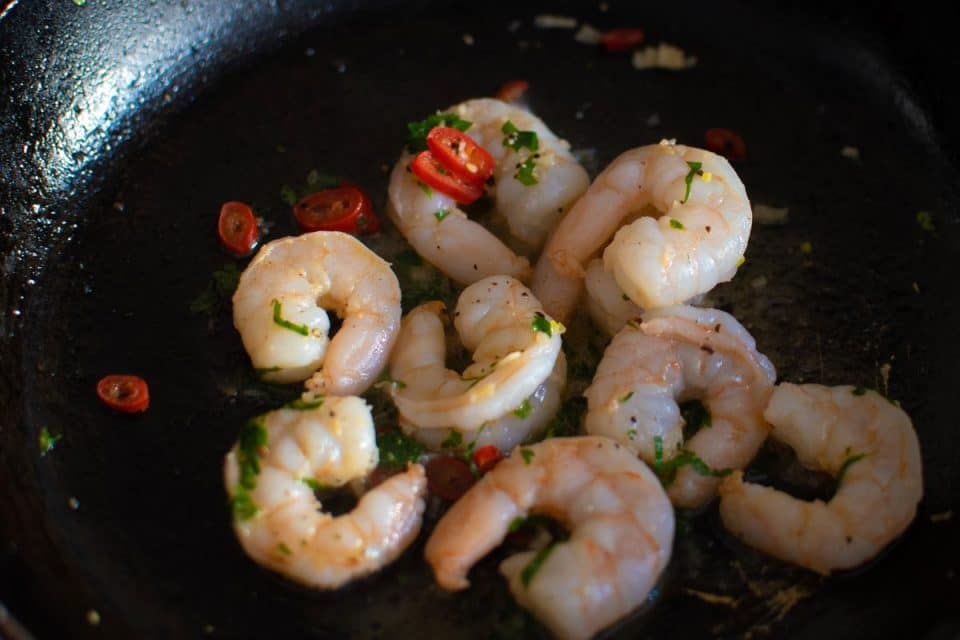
x: 284, y: 549
x: 524, y: 174
x: 847, y: 464
x: 859, y: 391
x: 417, y: 131
x: 542, y: 324
x: 242, y: 505
x: 220, y: 289
x: 314, y: 485
x: 48, y: 440
x: 527, y: 454
x: 517, y: 139
x: 299, y: 404
x: 531, y: 569
x: 625, y: 399
x: 452, y: 441
x: 440, y: 214
x: 397, y: 449
x: 666, y: 470
x: 278, y: 319
x: 925, y: 220
x: 696, y: 169
x: 523, y: 411
x: 676, y: 224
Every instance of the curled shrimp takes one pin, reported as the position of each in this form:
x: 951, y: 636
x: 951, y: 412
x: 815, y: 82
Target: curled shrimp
x: 860, y: 438
x: 278, y: 520
x: 678, y: 354
x: 682, y: 245
x: 525, y: 423
x: 280, y: 309
x: 462, y: 248
x: 515, y: 348
x: 621, y: 532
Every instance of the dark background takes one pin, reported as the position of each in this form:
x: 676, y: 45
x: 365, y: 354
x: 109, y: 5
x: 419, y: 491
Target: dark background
x: 123, y: 123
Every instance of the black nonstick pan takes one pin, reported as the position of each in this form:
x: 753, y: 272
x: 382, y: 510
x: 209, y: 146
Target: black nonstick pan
x: 125, y: 125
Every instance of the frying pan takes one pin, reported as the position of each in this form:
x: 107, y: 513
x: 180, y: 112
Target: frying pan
x: 124, y: 125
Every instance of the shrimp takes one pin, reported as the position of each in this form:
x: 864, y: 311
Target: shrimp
x: 277, y: 518
x: 515, y: 348
x: 462, y: 248
x: 860, y: 438
x: 677, y: 354
x: 621, y: 532
x: 682, y: 245
x: 526, y: 423
x: 280, y: 306
x: 608, y: 306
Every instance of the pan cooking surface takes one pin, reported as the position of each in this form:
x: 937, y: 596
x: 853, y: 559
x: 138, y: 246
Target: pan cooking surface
x: 149, y: 544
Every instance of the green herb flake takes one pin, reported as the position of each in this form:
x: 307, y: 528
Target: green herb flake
x: 657, y: 451
x: 397, y: 449
x: 440, y: 214
x: 299, y: 404
x: 242, y: 505
x: 859, y: 391
x: 315, y: 485
x: 625, y: 399
x: 516, y: 524
x: 220, y: 289
x: 48, y: 441
x: 262, y: 371
x: 80, y: 3
x: 695, y: 169
x: 527, y: 454
x: 253, y: 437
x: 289, y: 195
x: 806, y: 247
x: 284, y: 549
x: 524, y: 410
x: 516, y: 139
x: 542, y: 324
x: 676, y: 224
x: 320, y: 181
x: 278, y: 319
x: 847, y: 464
x: 666, y: 470
x: 925, y: 220
x: 452, y: 441
x: 632, y: 434
x: 417, y: 131
x: 425, y: 188
x: 524, y: 174
x: 531, y: 569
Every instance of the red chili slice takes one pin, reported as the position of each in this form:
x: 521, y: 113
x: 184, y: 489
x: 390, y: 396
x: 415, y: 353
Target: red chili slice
x: 345, y: 208
x: 726, y: 143
x: 512, y: 91
x: 618, y: 40
x: 237, y: 227
x: 486, y: 458
x: 128, y: 394
x: 460, y: 154
x: 448, y: 478
x: 433, y: 174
